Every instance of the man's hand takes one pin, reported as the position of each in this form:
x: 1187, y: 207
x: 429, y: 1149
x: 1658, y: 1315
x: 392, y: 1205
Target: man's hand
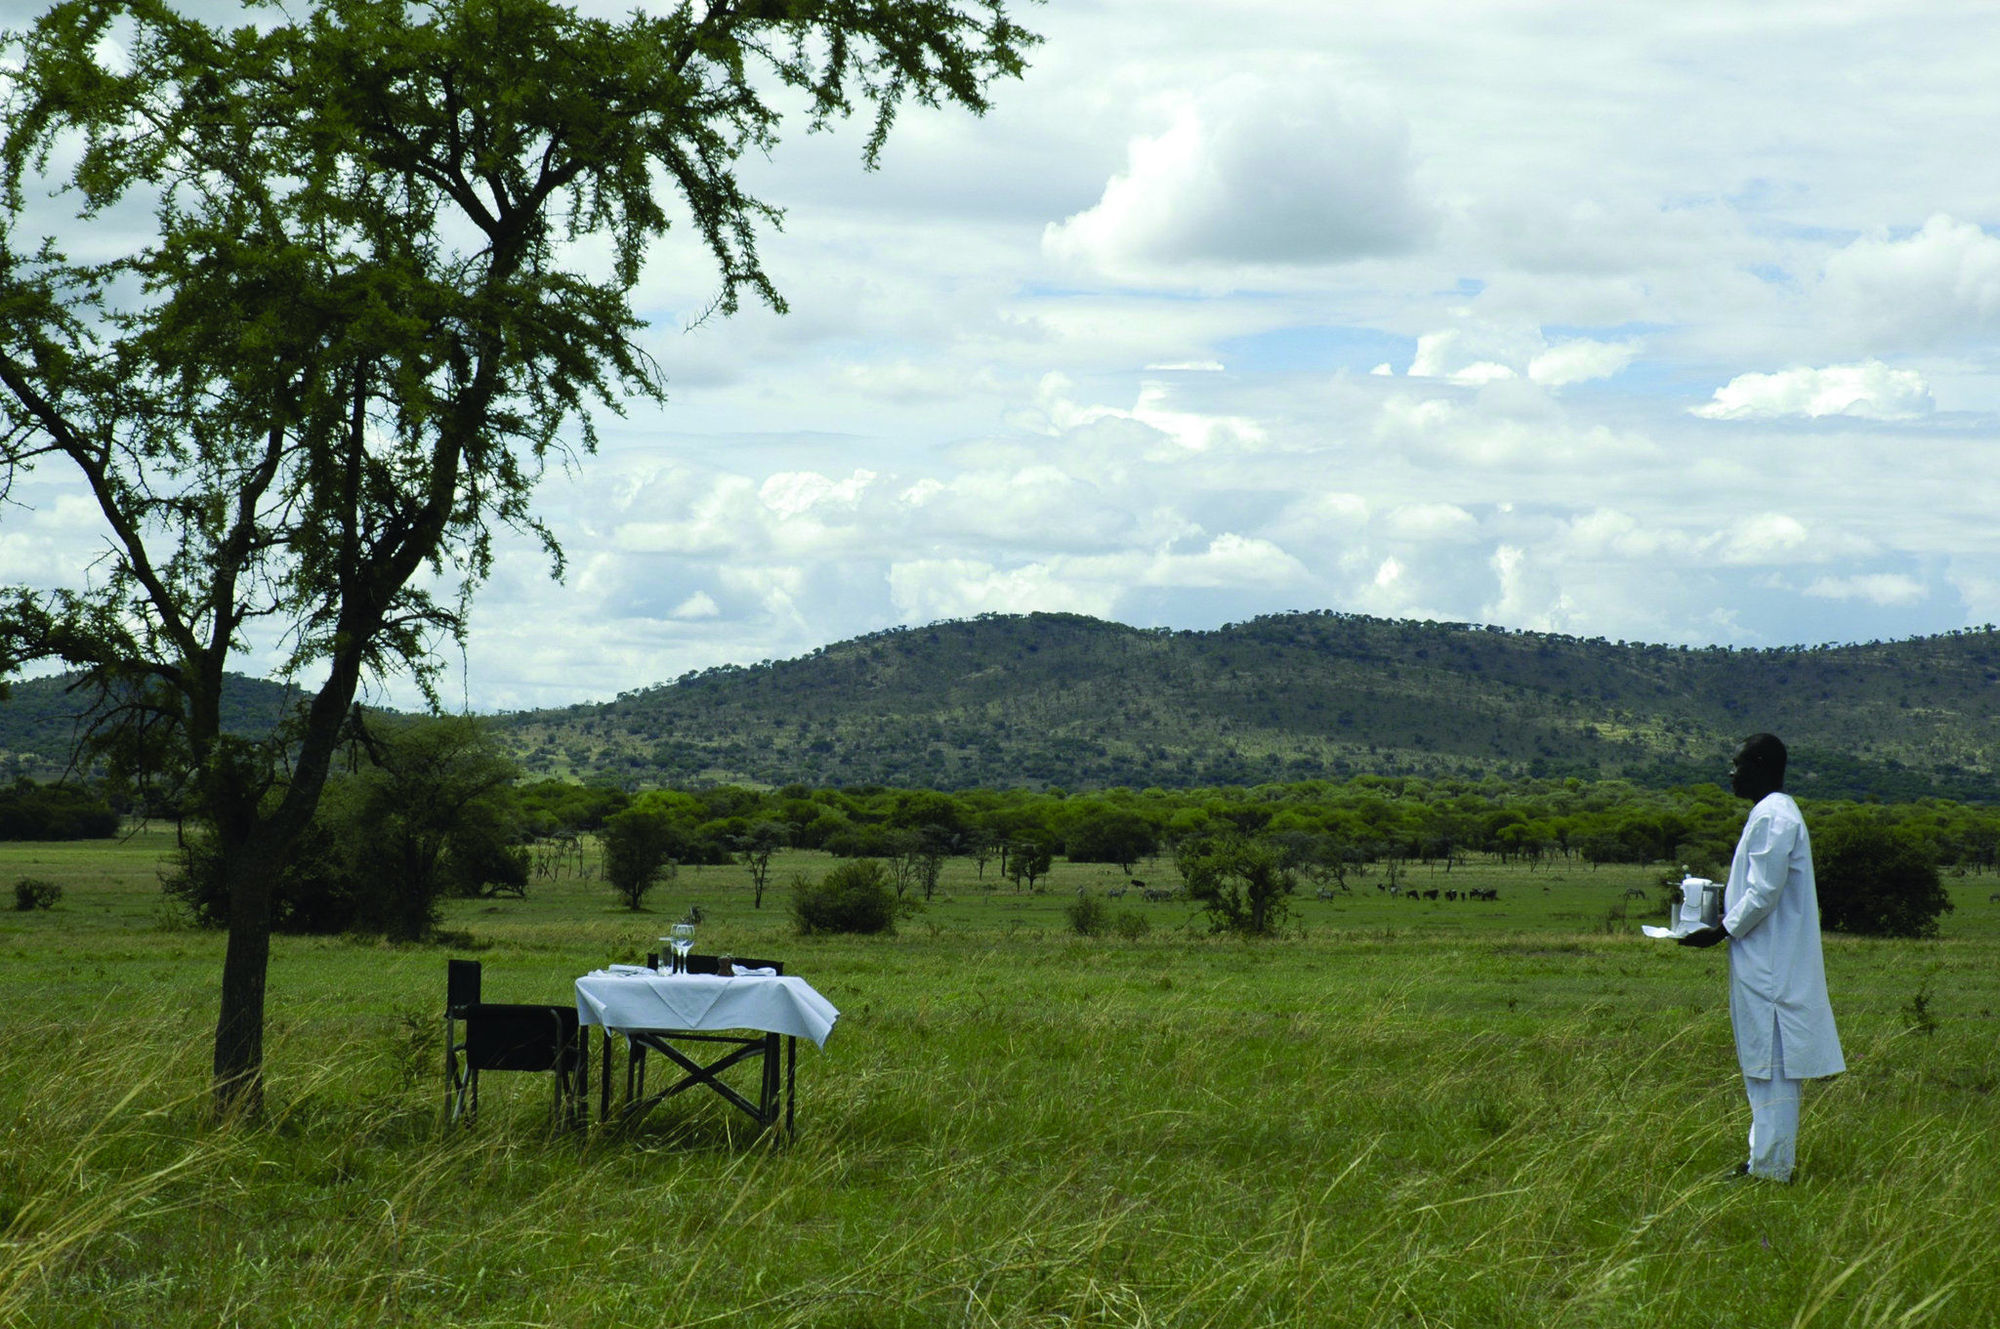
x: 1704, y: 937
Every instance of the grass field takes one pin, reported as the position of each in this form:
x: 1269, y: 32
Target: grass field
x: 1400, y: 1113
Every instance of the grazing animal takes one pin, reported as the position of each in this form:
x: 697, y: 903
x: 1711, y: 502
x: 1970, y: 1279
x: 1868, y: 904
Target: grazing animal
x: 1156, y: 895
x: 1115, y: 893
x: 1136, y: 884
x: 1431, y: 894
x: 1993, y: 898
x: 1634, y: 893
x: 693, y: 915
x: 1326, y: 892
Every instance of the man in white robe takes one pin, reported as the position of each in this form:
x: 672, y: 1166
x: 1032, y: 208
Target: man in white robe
x: 1777, y: 978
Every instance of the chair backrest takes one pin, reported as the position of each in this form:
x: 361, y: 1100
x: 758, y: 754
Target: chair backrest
x: 501, y: 1036
x: 706, y: 964
x: 461, y: 987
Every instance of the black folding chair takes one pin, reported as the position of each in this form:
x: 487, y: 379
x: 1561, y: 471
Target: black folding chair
x: 710, y: 964
x: 502, y: 1036
x: 461, y: 994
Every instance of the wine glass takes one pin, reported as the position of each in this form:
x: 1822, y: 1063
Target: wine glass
x: 683, y: 942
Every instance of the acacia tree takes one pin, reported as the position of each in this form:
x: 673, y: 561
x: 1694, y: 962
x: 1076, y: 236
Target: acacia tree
x: 361, y: 324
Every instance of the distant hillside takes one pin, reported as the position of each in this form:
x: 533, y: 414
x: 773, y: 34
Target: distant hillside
x: 41, y: 719
x: 1056, y: 699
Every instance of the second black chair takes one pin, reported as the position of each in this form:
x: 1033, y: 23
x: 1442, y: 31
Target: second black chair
x: 510, y: 1036
x: 707, y: 964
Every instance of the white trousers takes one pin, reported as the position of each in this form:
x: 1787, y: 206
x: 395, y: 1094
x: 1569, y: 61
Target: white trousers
x: 1774, y: 1118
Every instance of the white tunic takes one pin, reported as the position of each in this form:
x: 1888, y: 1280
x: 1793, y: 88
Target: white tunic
x: 1776, y: 974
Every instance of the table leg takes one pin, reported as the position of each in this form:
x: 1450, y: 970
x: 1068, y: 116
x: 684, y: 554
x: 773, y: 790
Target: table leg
x: 791, y: 1067
x: 770, y: 1081
x: 604, y: 1076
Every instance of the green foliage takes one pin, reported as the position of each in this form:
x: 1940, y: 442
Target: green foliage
x: 36, y: 893
x: 427, y: 812
x: 1243, y: 884
x: 312, y: 894
x: 1102, y: 833
x: 1878, y: 880
x: 1918, y: 1014
x: 855, y: 896
x: 638, y: 852
x: 30, y: 811
x: 1088, y: 915
x: 549, y: 807
x: 1029, y: 859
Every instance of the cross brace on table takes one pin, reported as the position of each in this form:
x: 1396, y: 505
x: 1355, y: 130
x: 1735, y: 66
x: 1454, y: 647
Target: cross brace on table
x: 642, y: 1041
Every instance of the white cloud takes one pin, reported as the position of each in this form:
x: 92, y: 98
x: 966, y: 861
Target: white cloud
x: 1580, y: 360
x: 1880, y: 588
x: 1870, y: 391
x: 1430, y: 522
x: 1473, y: 353
x: 1479, y: 351
x: 924, y: 589
x: 795, y: 493
x: 927, y: 589
x: 1768, y: 537
x: 1169, y: 431
x: 1254, y: 171
x: 1938, y: 286
x: 699, y: 605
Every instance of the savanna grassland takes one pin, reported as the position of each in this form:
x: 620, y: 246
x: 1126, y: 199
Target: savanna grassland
x: 1401, y: 1112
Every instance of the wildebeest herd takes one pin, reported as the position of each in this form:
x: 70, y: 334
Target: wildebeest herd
x: 1159, y: 894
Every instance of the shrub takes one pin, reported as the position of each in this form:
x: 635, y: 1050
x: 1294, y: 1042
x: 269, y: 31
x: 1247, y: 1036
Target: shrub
x: 1878, y: 881
x: 855, y: 896
x: 638, y: 844
x: 1088, y: 915
x: 34, y: 893
x: 1131, y: 924
x: 29, y: 811
x: 1243, y: 884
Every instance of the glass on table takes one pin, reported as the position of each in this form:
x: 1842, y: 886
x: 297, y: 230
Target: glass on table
x: 683, y: 942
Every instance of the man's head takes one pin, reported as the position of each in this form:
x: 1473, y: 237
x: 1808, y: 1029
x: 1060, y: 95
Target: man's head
x: 1758, y: 768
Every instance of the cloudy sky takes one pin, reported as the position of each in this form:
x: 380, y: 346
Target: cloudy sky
x: 1662, y: 322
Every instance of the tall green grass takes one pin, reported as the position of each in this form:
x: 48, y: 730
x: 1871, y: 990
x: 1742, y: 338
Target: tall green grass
x: 1397, y: 1114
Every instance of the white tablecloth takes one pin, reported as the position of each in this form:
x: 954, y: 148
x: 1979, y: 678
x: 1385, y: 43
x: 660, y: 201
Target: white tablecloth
x: 704, y: 1002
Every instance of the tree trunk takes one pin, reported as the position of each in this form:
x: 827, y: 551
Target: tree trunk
x: 250, y: 867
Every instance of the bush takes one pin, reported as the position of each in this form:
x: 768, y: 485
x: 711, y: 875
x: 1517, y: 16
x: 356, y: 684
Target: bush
x: 313, y: 895
x: 1243, y: 884
x: 854, y: 897
x: 1878, y: 881
x: 1088, y: 915
x: 34, y: 893
x: 1132, y: 925
x: 638, y: 851
x: 29, y: 811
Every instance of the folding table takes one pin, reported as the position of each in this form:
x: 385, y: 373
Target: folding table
x: 680, y: 1015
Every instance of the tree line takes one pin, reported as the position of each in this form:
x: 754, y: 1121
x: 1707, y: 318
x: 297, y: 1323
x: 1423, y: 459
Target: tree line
x: 421, y: 811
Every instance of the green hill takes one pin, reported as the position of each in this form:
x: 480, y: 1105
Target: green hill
x: 1063, y: 700
x: 43, y: 719
x: 1057, y: 699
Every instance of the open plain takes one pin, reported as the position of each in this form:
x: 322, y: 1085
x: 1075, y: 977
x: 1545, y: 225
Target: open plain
x: 1401, y: 1112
